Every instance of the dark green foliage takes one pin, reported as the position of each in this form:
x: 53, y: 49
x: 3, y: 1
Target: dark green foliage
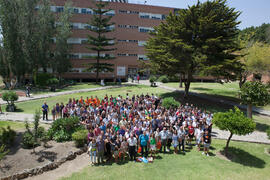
x: 235, y: 122
x: 256, y: 34
x: 198, y: 39
x: 10, y: 97
x: 43, y: 79
x: 52, y: 81
x: 268, y: 133
x: 170, y: 102
x: 100, y: 25
x: 33, y: 138
x: 62, y: 61
x: 63, y: 128
x: 3, y: 151
x: 163, y: 79
x: 7, y: 136
x: 255, y: 93
x: 80, y: 137
x: 152, y: 79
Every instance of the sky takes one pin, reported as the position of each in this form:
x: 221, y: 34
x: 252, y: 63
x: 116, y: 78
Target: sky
x: 254, y: 12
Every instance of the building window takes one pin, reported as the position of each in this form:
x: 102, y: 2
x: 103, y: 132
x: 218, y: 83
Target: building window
x: 145, y: 16
x: 76, y: 11
x: 89, y: 12
x: 133, y: 41
x: 59, y: 9
x: 122, y: 12
x: 122, y: 26
x: 83, y: 11
x: 84, y: 41
x: 133, y: 12
x: 119, y: 54
x: 120, y: 40
x: 74, y: 56
x: 132, y: 54
x: 134, y: 27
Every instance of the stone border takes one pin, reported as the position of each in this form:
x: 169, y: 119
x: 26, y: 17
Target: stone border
x: 46, y: 167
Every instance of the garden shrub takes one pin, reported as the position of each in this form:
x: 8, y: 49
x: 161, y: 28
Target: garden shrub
x: 28, y: 140
x: 80, y: 137
x: 152, y: 79
x: 3, y: 151
x: 163, y: 79
x: 42, y: 79
x: 10, y: 97
x: 8, y: 136
x: 170, y: 102
x: 63, y: 128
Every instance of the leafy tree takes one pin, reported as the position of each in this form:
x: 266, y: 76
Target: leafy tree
x: 46, y: 22
x: 10, y: 97
x: 100, y: 25
x: 235, y: 122
x: 200, y: 39
x: 254, y: 94
x: 12, y: 41
x: 62, y: 62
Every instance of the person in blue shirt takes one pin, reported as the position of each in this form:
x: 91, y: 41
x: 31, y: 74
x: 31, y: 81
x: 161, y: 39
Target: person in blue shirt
x: 144, y: 143
x: 103, y: 127
x: 45, y: 109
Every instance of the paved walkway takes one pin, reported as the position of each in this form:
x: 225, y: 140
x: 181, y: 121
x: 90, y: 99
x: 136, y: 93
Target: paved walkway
x: 258, y: 137
x: 42, y: 96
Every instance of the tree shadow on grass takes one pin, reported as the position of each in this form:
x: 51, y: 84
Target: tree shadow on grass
x: 262, y: 127
x: 245, y: 158
x: 202, y: 89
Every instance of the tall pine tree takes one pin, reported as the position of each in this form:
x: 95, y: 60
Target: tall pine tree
x: 100, y: 25
x: 200, y: 39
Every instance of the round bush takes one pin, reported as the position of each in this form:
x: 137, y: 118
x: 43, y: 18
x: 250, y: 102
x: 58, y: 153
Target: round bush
x: 163, y: 79
x: 28, y: 140
x: 10, y: 97
x: 170, y: 103
x: 80, y: 138
x: 152, y: 79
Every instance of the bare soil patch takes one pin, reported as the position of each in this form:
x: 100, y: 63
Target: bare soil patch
x: 19, y: 159
x: 221, y: 155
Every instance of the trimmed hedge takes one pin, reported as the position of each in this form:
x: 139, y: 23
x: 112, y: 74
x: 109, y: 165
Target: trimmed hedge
x: 163, y: 79
x: 170, y: 102
x: 80, y: 137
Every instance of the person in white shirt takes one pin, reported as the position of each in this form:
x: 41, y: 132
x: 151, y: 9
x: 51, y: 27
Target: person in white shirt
x: 198, y: 134
x: 163, y: 136
x: 132, y: 143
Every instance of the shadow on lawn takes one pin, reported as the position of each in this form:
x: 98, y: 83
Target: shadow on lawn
x: 262, y: 127
x: 245, y: 158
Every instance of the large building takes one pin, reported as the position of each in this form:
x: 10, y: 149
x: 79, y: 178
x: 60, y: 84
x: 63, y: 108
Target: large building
x: 133, y: 22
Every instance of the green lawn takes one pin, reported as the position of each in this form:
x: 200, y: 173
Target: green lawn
x: 249, y: 161
x: 226, y: 89
x: 30, y: 106
x: 17, y: 126
x: 77, y: 86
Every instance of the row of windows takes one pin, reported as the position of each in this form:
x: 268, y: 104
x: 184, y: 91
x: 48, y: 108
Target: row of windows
x: 128, y: 26
x: 140, y: 43
x: 89, y: 55
x: 120, y: 54
x: 84, y: 26
x: 146, y: 29
x: 77, y: 10
x: 144, y: 15
x: 140, y: 56
x: 128, y: 12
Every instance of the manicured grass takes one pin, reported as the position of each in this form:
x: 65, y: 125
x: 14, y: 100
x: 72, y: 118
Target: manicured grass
x: 18, y: 126
x: 248, y: 162
x: 30, y: 106
x: 13, y: 125
x: 226, y: 89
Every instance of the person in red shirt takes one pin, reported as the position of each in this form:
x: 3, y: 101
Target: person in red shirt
x: 190, y: 133
x: 97, y: 131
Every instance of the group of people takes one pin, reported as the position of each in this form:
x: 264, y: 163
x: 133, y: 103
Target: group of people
x: 122, y: 128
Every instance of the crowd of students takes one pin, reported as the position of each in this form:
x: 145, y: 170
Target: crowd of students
x: 121, y: 128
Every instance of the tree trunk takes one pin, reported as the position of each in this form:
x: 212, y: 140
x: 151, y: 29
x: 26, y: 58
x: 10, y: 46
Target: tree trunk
x: 181, y: 81
x: 249, y: 111
x: 187, y: 84
x: 227, y: 144
x: 97, y: 67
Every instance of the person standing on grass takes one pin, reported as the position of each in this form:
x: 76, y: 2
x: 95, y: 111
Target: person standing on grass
x: 53, y: 112
x: 207, y: 142
x: 163, y: 136
x: 144, y: 141
x: 92, y: 150
x: 45, y: 109
x: 100, y: 150
x: 175, y: 141
x: 153, y: 144
x: 181, y: 136
x: 27, y: 91
x: 198, y: 135
x: 132, y: 142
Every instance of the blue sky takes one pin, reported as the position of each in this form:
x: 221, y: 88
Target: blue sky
x: 254, y: 12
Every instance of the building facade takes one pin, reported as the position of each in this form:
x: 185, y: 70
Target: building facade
x: 133, y: 22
